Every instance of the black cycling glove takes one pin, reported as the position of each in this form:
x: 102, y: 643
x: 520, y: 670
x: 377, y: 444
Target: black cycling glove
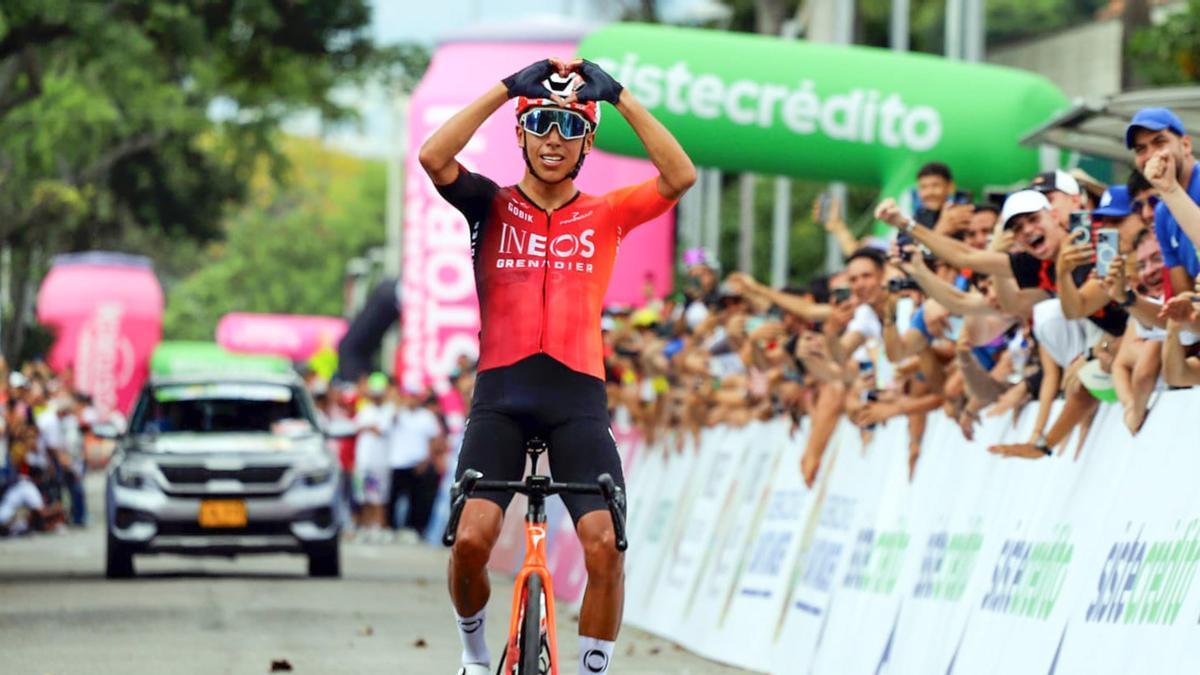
x: 598, y: 85
x: 527, y: 82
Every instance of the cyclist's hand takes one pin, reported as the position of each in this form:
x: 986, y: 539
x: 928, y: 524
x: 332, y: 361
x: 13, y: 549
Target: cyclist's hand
x: 597, y: 84
x: 527, y: 82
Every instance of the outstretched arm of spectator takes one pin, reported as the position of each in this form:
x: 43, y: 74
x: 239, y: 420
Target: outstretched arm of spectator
x: 951, y: 250
x: 835, y: 225
x: 899, y: 345
x: 1160, y: 171
x: 1078, y: 301
x: 792, y: 304
x: 1178, y: 369
x: 958, y: 302
x: 1051, y: 374
x: 812, y: 349
x: 874, y: 413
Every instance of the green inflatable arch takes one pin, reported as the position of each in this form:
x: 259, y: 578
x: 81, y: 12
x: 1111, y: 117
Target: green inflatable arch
x: 743, y: 102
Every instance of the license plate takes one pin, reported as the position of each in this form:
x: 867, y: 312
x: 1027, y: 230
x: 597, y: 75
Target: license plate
x: 222, y: 513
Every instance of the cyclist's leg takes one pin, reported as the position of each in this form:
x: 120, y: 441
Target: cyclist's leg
x: 580, y: 450
x: 494, y: 445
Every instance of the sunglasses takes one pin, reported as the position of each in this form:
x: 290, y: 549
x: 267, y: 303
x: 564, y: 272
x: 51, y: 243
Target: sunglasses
x: 571, y: 125
x: 1137, y: 204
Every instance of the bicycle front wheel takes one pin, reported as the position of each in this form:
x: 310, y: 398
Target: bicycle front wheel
x: 531, y: 628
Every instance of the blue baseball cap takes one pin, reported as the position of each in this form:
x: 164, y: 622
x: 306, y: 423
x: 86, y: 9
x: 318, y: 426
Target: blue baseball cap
x: 1154, y: 119
x: 1114, y: 202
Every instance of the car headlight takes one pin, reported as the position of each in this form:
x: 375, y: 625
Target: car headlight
x: 315, y: 477
x: 132, y: 478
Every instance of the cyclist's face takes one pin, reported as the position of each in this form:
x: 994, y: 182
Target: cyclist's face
x: 552, y: 156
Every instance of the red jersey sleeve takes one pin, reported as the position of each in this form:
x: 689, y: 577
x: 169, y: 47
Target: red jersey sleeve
x: 635, y: 204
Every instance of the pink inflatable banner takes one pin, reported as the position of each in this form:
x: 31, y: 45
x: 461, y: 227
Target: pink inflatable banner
x: 106, y: 312
x: 439, y: 310
x: 293, y: 336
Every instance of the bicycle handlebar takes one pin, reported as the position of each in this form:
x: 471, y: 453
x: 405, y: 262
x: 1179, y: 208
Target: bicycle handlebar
x: 472, y: 481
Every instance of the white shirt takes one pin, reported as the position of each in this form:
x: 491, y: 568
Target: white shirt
x: 23, y: 495
x: 867, y: 324
x: 371, y: 450
x: 411, y: 432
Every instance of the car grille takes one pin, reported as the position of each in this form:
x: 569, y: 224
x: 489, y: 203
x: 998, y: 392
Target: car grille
x: 189, y: 528
x: 198, y: 475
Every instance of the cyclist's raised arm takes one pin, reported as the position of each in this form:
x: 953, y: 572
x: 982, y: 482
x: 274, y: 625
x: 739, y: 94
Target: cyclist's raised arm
x: 438, y: 154
x: 676, y: 173
x: 675, y: 170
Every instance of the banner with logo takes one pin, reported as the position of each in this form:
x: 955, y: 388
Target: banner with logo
x: 731, y: 539
x: 757, y: 103
x: 105, y: 310
x: 1084, y: 562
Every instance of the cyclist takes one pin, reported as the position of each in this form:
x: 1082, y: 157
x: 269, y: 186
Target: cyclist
x: 543, y: 255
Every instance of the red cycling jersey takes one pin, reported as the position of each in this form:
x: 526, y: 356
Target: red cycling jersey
x: 541, y: 277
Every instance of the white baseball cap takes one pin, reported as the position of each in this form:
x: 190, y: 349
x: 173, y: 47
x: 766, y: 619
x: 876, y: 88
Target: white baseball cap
x: 1020, y: 203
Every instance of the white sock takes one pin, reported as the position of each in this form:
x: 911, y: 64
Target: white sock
x: 594, y: 655
x: 474, y: 638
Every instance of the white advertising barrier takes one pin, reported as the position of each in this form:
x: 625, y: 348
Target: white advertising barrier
x: 731, y: 540
x: 760, y: 592
x: 676, y: 588
x: 980, y: 564
x: 659, y: 527
x: 826, y: 548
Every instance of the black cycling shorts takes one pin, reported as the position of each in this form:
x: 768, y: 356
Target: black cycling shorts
x: 540, y: 397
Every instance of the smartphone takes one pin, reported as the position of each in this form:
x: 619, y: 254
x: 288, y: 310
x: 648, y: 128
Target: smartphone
x: 899, y: 284
x: 905, y: 240
x: 841, y: 294
x: 1080, y: 227
x: 1108, y: 246
x: 823, y: 201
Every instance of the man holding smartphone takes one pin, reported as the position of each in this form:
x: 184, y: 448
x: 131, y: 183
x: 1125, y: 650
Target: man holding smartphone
x: 1050, y: 266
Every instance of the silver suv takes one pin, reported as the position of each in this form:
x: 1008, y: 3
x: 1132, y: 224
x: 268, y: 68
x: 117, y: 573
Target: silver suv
x: 224, y: 465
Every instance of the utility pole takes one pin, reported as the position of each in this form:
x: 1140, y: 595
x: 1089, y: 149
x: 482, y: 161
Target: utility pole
x: 832, y: 21
x: 394, y: 216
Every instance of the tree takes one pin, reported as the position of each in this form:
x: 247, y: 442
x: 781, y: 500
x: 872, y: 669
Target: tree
x: 286, y: 251
x: 121, y: 116
x: 1169, y: 53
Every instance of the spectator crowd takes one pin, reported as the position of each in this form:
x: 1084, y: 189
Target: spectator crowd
x: 1061, y: 288
x: 46, y: 448
x: 393, y: 466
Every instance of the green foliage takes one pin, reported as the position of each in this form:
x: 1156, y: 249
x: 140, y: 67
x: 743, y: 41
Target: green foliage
x: 1007, y: 20
x: 1169, y: 53
x: 130, y: 123
x: 286, y: 251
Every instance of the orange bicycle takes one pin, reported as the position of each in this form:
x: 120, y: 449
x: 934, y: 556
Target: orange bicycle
x: 531, y: 648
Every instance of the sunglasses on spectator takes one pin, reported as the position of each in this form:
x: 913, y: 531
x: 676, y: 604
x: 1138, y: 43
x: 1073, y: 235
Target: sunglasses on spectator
x: 571, y: 125
x: 1137, y: 204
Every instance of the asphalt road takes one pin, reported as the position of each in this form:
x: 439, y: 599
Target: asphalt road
x: 388, y: 614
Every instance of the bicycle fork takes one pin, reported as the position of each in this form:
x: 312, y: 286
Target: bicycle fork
x: 535, y: 563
